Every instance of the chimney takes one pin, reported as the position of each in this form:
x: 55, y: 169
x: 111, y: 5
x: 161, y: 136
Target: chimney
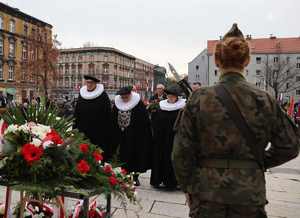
x: 272, y: 37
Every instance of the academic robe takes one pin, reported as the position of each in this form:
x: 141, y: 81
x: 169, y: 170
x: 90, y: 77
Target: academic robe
x: 135, y: 139
x: 163, y: 136
x: 93, y: 117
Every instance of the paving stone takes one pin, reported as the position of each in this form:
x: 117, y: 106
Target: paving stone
x: 164, y: 196
x: 131, y: 214
x: 170, y: 209
x: 283, y: 210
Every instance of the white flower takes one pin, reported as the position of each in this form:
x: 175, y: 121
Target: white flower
x: 47, y: 143
x: 11, y: 128
x: 24, y: 128
x: 40, y: 130
x: 37, y: 142
x: 117, y: 170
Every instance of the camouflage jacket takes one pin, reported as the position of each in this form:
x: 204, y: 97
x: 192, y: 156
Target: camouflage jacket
x: 205, y: 131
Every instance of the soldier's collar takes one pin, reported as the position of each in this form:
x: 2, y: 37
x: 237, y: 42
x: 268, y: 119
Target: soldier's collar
x: 232, y: 76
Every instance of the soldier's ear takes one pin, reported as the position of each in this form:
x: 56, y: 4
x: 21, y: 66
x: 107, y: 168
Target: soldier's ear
x: 218, y: 54
x: 247, y: 61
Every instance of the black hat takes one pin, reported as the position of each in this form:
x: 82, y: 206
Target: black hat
x: 234, y: 32
x: 173, y: 90
x: 125, y: 90
x: 89, y: 77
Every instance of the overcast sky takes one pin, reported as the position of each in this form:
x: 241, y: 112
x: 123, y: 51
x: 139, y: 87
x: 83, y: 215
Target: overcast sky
x: 161, y: 31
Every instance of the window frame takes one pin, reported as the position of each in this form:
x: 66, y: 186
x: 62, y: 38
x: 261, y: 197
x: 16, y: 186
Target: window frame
x: 11, y: 72
x: 12, y: 26
x: 1, y: 70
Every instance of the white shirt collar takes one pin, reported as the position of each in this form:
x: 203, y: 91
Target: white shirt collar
x: 84, y: 93
x: 166, y: 106
x: 126, y: 106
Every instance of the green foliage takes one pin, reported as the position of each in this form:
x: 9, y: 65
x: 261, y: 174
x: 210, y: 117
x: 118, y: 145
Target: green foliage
x: 40, y: 114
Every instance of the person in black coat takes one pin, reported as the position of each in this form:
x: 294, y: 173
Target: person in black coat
x: 163, y: 136
x: 93, y: 115
x: 132, y: 124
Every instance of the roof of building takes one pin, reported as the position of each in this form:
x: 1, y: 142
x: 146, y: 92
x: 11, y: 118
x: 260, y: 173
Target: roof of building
x: 17, y: 13
x: 270, y: 45
x: 94, y: 49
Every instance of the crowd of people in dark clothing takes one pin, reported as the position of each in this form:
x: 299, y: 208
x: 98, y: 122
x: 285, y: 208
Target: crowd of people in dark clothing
x: 140, y: 136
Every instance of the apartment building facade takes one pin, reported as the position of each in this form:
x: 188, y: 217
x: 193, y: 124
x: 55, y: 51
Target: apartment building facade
x: 16, y: 28
x: 113, y: 67
x: 269, y: 56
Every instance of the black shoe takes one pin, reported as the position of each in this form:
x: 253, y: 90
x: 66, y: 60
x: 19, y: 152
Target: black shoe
x: 136, y: 180
x: 156, y: 186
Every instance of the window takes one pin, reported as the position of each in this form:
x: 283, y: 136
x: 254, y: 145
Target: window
x: 258, y: 72
x: 298, y: 92
x: 11, y: 48
x: 11, y: 69
x: 1, y: 22
x: 25, y: 29
x: 1, y: 70
x: 276, y: 59
x: 197, y: 67
x: 216, y: 72
x: 33, y: 33
x: 24, y: 52
x: 297, y: 78
x: 12, y: 26
x: 287, y: 85
x: 258, y: 60
x: 23, y: 75
x: 288, y: 60
x: 298, y: 63
x: 1, y: 45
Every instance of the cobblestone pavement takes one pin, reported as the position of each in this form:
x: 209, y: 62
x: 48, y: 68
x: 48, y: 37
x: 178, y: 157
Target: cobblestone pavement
x: 283, y: 189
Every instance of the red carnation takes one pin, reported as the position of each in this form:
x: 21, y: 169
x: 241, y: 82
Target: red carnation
x: 108, y: 168
x: 123, y: 171
x: 54, y: 137
x: 113, y: 181
x: 83, y: 167
x: 84, y: 148
x: 31, y: 153
x: 97, y: 156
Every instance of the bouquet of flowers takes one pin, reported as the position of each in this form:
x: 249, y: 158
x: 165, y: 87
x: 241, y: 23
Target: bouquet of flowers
x: 34, y: 151
x: 39, y: 148
x: 91, y: 172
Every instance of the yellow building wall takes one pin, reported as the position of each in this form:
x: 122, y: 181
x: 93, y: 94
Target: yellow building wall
x: 19, y: 36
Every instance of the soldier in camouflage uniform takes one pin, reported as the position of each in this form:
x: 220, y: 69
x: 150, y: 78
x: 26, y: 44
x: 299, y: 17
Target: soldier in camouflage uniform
x: 212, y: 160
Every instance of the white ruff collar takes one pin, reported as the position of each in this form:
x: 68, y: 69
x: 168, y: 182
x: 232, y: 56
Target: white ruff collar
x: 166, y: 106
x: 84, y: 93
x: 126, y: 106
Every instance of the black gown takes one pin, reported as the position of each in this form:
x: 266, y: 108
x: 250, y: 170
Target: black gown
x: 135, y: 140
x: 163, y: 136
x: 94, y: 118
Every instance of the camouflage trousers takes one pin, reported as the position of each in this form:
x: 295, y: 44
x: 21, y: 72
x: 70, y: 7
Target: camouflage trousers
x: 200, y: 209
